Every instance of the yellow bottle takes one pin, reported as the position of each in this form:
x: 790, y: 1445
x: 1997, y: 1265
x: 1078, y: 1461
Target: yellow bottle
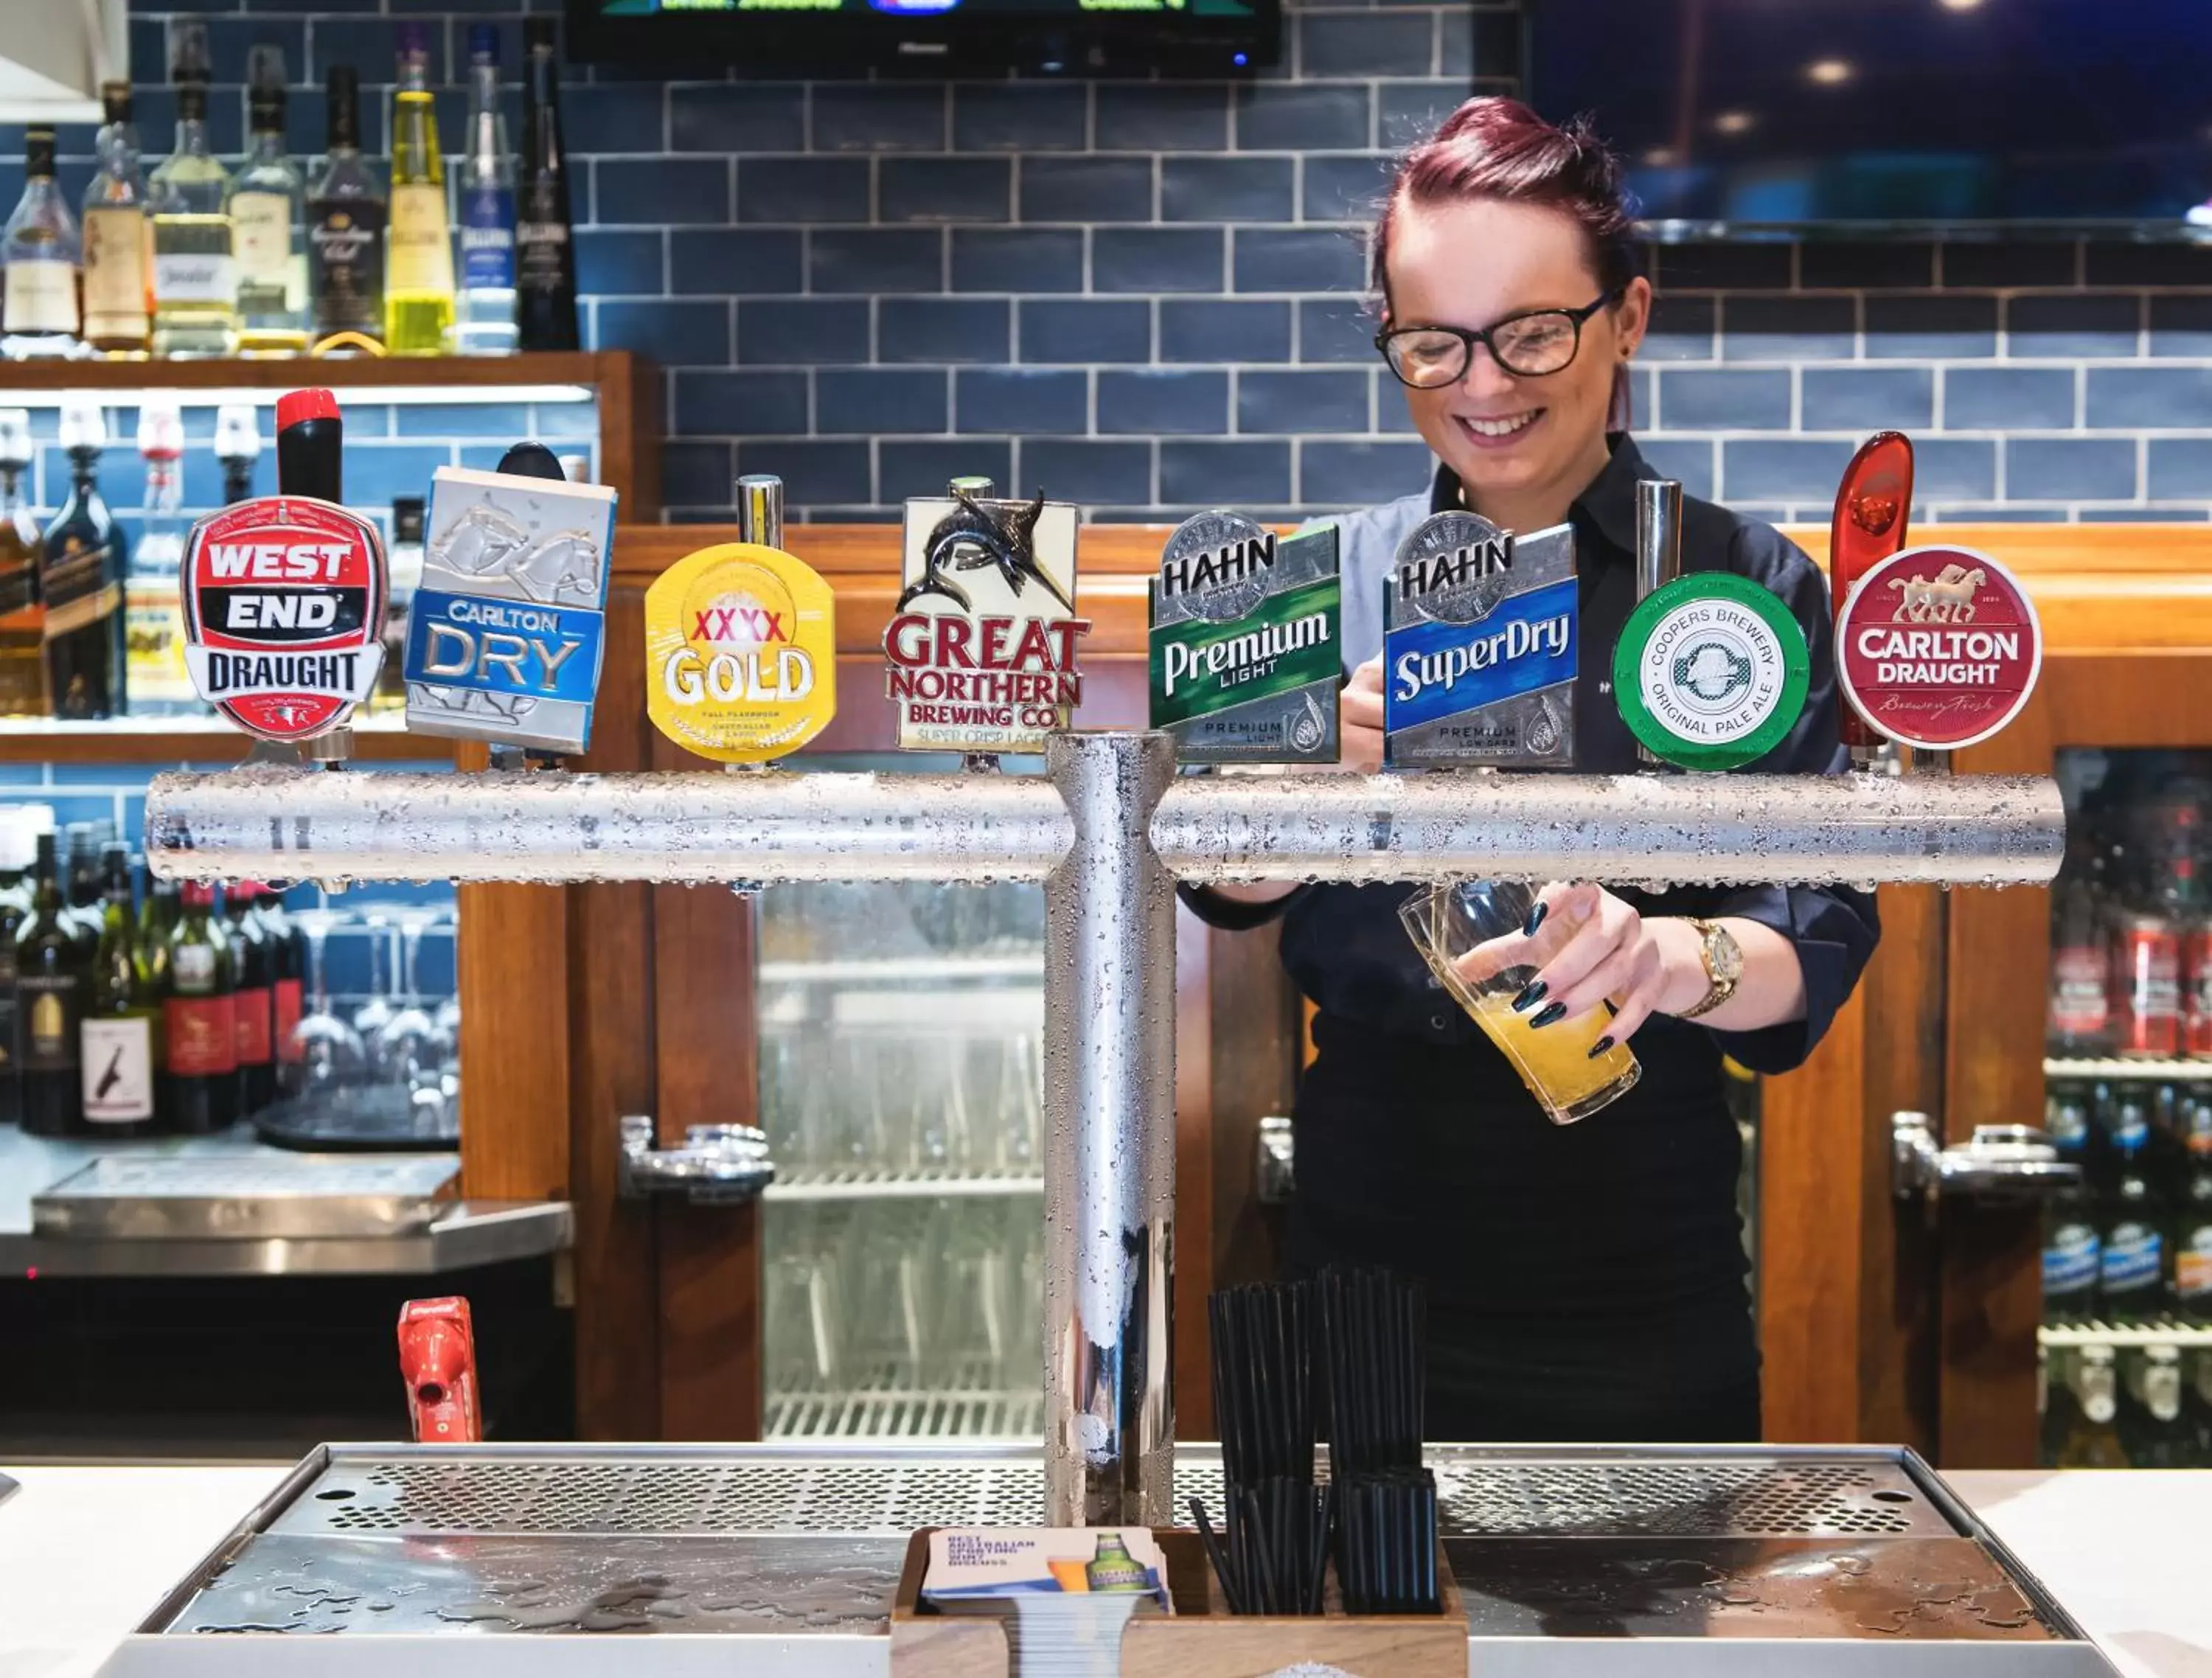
x: 418, y: 276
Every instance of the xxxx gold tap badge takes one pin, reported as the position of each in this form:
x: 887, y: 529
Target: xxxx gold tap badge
x: 740, y: 652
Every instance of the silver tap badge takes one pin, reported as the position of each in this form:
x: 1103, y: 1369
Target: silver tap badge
x: 507, y: 631
x: 1247, y: 650
x: 1479, y: 646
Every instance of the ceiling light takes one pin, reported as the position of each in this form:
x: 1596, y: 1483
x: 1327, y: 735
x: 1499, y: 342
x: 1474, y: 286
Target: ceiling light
x: 1659, y: 156
x: 1734, y: 122
x: 1959, y: 5
x: 1828, y: 71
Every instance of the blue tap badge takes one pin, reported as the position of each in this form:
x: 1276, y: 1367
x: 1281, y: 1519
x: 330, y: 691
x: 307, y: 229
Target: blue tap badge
x: 507, y: 632
x: 1479, y: 646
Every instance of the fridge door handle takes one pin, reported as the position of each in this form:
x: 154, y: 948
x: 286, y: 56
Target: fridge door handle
x: 1999, y: 1162
x: 1275, y: 1151
x: 718, y: 1164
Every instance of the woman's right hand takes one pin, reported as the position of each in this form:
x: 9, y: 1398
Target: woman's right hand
x: 1360, y: 721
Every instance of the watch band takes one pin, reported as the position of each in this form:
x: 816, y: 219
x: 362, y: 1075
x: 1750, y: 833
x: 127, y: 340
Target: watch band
x: 1721, y: 988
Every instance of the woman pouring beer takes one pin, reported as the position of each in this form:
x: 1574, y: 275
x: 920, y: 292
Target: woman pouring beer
x: 1585, y: 1281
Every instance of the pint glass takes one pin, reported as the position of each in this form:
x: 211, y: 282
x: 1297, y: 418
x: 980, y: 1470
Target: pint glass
x: 1445, y: 923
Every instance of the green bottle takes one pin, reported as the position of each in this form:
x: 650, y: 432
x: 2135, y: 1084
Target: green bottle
x: 1114, y: 1568
x: 121, y: 1035
x: 50, y: 1003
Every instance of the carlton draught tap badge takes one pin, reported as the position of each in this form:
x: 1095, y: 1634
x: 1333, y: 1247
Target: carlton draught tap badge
x: 982, y: 644
x: 1938, y: 647
x: 283, y: 595
x: 1246, y: 651
x: 740, y: 652
x: 507, y: 634
x: 1711, y: 670
x: 1480, y: 646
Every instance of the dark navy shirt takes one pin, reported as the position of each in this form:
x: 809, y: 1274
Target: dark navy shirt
x: 1609, y: 1251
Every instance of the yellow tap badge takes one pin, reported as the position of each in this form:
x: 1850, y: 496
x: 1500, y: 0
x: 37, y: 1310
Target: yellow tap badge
x: 740, y: 652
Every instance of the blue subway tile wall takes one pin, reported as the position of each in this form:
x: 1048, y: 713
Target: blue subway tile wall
x: 863, y: 279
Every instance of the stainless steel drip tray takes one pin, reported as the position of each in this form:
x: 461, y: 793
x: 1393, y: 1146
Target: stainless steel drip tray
x: 256, y: 1195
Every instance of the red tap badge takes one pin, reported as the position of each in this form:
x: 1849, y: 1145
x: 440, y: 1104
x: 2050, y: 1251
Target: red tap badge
x: 1938, y: 647
x: 283, y: 607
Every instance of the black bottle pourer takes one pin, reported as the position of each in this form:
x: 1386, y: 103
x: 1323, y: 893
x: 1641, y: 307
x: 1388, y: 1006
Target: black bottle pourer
x: 531, y: 460
x: 310, y: 439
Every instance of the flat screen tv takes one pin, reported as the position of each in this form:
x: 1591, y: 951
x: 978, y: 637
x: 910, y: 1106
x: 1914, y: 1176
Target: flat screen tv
x: 1793, y: 113
x: 1046, y: 37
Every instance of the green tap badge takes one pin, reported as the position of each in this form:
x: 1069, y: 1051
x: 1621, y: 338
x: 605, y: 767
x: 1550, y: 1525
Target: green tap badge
x: 1711, y: 670
x: 1246, y: 643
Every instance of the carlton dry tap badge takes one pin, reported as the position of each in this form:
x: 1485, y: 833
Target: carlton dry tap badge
x: 1711, y: 670
x: 507, y: 628
x: 982, y: 643
x: 1479, y: 646
x: 740, y: 652
x: 1938, y: 647
x: 1246, y: 643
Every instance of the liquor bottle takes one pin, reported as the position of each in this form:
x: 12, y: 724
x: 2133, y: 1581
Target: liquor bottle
x: 153, y: 619
x: 237, y: 446
x: 199, y: 1030
x: 2071, y: 1237
x: 121, y: 1043
x: 2192, y: 1220
x: 418, y: 264
x: 483, y: 320
x: 2132, y: 1278
x: 289, y: 947
x: 253, y: 999
x: 2080, y: 1017
x: 39, y: 248
x: 22, y: 620
x: 118, y: 286
x: 405, y: 561
x: 49, y: 1004
x: 81, y: 580
x: 2151, y: 1431
x: 345, y: 230
x: 2093, y: 1441
x: 194, y: 277
x: 19, y: 842
x: 267, y: 214
x: 545, y: 258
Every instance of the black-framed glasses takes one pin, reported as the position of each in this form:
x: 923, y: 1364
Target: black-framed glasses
x: 1528, y: 346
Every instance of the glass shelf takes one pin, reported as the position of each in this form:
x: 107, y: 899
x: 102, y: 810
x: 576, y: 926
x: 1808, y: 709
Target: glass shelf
x: 887, y: 1409
x: 447, y: 380
x: 2144, y: 1071
x: 2055, y: 1336
x: 190, y: 739
x: 868, y: 1182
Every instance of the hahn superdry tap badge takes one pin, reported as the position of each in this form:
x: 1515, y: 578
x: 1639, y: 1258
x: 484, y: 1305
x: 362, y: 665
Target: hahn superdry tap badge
x: 1479, y: 646
x: 740, y: 652
x: 283, y: 606
x: 507, y: 628
x: 1246, y: 649
x: 982, y: 644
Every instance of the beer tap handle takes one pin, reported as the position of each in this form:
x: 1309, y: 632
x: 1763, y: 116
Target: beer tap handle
x: 438, y: 1362
x: 1658, y: 553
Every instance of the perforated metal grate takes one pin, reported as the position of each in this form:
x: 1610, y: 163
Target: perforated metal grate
x: 1684, y: 1497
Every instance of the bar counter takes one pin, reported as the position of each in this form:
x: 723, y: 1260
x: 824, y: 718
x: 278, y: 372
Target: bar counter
x: 86, y: 1552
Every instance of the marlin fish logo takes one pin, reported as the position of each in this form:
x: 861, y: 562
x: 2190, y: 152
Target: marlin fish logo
x: 975, y: 536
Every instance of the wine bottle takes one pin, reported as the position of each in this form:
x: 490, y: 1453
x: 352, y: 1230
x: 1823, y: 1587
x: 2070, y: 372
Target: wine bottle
x: 253, y: 1000
x: 121, y: 1040
x: 50, y: 1003
x: 200, y: 1058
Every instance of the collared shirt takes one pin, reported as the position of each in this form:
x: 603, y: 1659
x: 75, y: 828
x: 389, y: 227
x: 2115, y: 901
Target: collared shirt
x: 1417, y: 1145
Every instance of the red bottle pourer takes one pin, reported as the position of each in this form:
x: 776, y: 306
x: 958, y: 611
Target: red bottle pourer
x: 438, y: 1362
x: 1874, y: 508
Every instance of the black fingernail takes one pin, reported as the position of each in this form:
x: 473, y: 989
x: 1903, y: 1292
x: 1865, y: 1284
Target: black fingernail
x: 1531, y: 994
x: 1535, y: 919
x: 1551, y: 1014
x: 1600, y: 1047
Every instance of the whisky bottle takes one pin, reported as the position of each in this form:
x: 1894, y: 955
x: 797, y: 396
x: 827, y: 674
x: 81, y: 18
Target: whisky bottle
x: 194, y: 274
x: 266, y: 208
x: 41, y: 255
x: 50, y: 1004
x: 118, y: 285
x: 120, y: 1045
x: 22, y: 658
x: 81, y: 580
x: 153, y: 623
x: 545, y: 256
x: 418, y: 268
x: 345, y: 229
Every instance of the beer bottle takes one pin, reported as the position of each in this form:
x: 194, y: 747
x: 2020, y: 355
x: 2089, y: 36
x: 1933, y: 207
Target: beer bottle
x: 2132, y: 1275
x: 2093, y: 1441
x: 2152, y: 1430
x: 2080, y: 1015
x: 200, y: 1032
x: 121, y: 1037
x: 49, y: 1000
x: 2192, y: 1221
x: 253, y: 1002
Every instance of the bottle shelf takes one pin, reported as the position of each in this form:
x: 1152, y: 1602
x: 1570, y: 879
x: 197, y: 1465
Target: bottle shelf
x: 535, y: 376
x: 897, y: 970
x: 188, y: 739
x: 882, y: 1183
x: 2075, y: 1335
x: 2145, y: 1071
x: 891, y: 1407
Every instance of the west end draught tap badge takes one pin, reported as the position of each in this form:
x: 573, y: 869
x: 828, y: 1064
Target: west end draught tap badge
x: 1480, y: 646
x: 982, y: 644
x: 508, y: 627
x: 1246, y: 644
x: 283, y: 596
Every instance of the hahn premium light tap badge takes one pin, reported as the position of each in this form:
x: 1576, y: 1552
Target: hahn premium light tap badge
x: 1246, y: 647
x: 1479, y: 646
x: 982, y: 642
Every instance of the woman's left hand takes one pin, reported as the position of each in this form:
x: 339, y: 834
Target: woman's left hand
x: 1590, y: 947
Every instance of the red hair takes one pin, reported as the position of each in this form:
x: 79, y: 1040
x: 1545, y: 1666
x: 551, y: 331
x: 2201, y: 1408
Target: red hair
x: 1499, y: 148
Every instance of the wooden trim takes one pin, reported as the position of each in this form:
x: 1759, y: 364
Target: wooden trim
x: 511, y: 941
x: 630, y: 406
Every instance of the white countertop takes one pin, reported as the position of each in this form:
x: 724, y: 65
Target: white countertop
x: 86, y: 1552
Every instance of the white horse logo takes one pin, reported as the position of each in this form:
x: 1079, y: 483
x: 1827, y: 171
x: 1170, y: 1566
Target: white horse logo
x: 1945, y: 597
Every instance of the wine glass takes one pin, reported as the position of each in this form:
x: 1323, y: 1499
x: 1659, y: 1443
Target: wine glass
x: 406, y: 1043
x: 322, y: 1054
x: 370, y: 1018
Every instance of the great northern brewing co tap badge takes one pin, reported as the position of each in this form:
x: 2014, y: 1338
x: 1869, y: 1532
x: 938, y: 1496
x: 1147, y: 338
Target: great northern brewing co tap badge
x: 740, y: 652
x: 283, y: 600
x: 983, y: 640
x: 1246, y: 647
x: 1711, y: 670
x: 1479, y: 646
x: 1938, y: 647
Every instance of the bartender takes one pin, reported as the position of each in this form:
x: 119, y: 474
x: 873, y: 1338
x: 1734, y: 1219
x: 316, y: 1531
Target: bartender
x: 1585, y: 1281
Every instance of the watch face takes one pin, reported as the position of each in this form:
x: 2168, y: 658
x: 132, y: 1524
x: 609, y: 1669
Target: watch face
x: 1724, y: 953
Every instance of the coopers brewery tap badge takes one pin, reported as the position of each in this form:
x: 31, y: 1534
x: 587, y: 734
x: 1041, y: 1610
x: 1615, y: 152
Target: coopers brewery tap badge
x: 1246, y: 647
x: 740, y: 652
x: 1938, y: 647
x: 507, y: 631
x: 283, y: 601
x: 1480, y: 646
x: 982, y: 642
x: 1711, y: 670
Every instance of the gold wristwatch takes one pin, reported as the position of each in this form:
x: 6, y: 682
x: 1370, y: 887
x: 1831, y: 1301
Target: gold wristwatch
x: 1723, y: 959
